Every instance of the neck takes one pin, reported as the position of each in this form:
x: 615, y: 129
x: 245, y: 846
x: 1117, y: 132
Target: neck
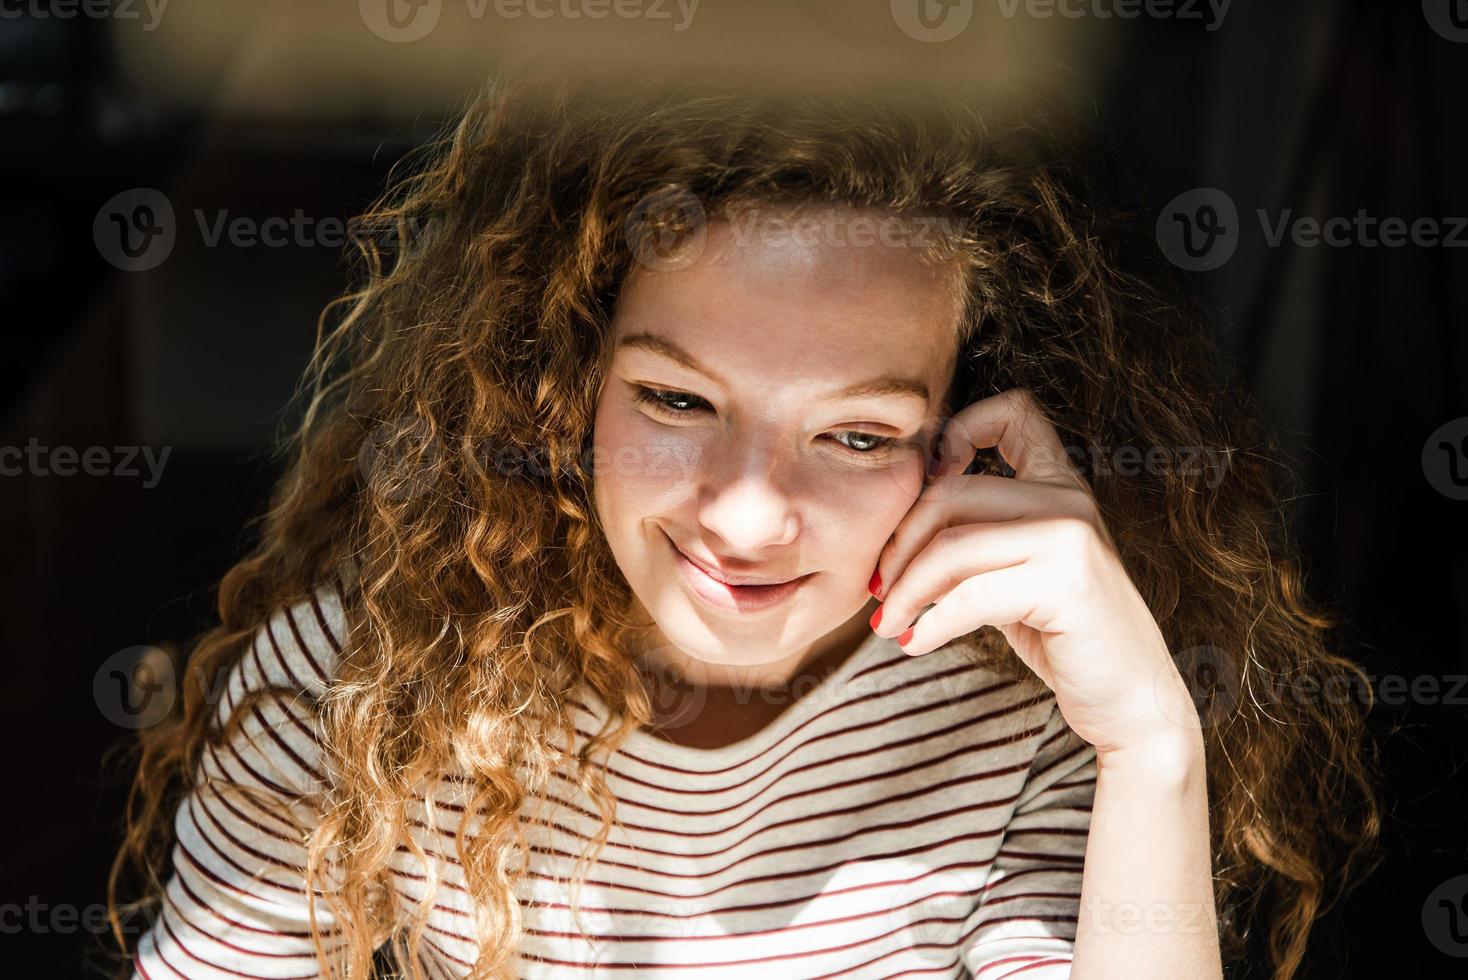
x: 664, y: 662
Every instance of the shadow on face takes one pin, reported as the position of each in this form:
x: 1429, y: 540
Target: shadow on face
x: 762, y: 426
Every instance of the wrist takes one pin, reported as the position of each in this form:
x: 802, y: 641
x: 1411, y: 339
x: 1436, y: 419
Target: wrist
x: 1163, y: 733
x: 1173, y: 759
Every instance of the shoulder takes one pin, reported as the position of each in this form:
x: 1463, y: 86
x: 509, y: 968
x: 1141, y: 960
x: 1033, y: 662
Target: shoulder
x: 296, y: 650
x: 301, y: 642
x: 265, y: 702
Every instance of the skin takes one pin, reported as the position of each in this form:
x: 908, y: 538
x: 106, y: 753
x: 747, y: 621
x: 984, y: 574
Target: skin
x: 753, y: 472
x: 1031, y: 556
x: 761, y: 478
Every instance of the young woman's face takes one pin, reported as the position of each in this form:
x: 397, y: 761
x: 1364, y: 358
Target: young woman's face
x: 761, y: 430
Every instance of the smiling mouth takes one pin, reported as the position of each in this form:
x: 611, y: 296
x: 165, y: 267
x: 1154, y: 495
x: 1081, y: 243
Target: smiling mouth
x: 743, y: 581
x: 733, y: 593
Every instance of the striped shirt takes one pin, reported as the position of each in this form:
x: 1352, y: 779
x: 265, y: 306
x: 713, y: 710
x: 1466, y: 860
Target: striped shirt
x: 908, y: 816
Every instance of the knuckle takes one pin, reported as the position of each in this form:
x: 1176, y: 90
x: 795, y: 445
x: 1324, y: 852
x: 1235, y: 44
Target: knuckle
x: 1020, y: 398
x: 901, y: 542
x: 1076, y: 560
x: 966, y: 592
x: 946, y: 540
x: 1070, y: 575
x: 939, y: 488
x: 1074, y: 536
x: 1076, y: 502
x: 943, y: 539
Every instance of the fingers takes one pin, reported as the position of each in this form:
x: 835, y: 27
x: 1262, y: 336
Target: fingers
x: 1014, y: 423
x: 955, y: 555
x: 973, y: 499
x: 968, y: 529
x: 995, y: 598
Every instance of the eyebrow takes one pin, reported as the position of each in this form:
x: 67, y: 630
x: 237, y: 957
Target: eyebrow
x: 884, y: 386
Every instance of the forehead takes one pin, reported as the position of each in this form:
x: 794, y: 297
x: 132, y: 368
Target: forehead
x: 792, y: 297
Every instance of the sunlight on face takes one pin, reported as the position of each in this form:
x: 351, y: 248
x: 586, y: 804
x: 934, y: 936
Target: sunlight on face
x: 760, y: 431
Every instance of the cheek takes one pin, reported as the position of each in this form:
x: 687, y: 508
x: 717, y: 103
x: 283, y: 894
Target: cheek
x: 860, y: 509
x: 640, y: 467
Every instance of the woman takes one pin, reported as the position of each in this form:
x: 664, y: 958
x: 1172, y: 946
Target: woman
x: 709, y: 548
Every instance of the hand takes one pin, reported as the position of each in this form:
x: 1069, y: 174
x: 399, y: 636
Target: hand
x: 1031, y: 556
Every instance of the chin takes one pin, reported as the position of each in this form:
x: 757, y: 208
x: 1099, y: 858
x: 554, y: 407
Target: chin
x: 728, y: 646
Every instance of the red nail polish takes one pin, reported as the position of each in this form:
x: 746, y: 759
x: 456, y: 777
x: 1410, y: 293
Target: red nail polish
x: 902, y: 640
x: 875, y: 585
x: 876, y: 619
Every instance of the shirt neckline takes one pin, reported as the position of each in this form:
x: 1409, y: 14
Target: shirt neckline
x: 824, y: 695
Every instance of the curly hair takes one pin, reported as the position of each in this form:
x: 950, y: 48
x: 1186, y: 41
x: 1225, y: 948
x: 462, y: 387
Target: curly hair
x: 475, y: 334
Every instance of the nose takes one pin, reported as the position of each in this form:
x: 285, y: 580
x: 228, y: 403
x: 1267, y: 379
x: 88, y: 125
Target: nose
x: 743, y: 502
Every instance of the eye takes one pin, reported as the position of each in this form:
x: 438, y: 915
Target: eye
x: 863, y: 442
x: 669, y: 402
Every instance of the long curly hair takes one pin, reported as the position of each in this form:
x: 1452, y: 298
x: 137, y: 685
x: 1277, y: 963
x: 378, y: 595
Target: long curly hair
x: 442, y: 453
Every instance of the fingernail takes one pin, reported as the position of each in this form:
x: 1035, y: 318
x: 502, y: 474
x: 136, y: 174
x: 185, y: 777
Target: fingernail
x: 876, y: 619
x: 902, y: 640
x: 875, y: 585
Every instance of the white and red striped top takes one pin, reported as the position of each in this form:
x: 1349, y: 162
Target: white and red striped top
x: 909, y: 816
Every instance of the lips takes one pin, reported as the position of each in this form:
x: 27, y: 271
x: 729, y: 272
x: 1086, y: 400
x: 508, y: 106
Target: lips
x: 730, y: 592
x: 731, y: 579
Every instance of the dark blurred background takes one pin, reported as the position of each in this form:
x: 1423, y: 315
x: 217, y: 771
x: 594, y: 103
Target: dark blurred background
x: 111, y: 115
